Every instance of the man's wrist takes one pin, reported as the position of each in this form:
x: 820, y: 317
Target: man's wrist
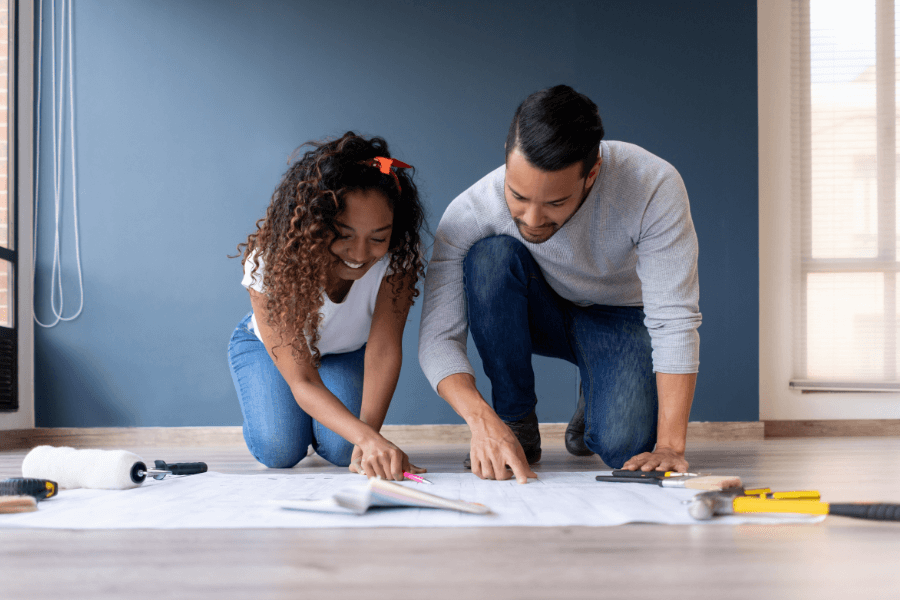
x: 481, y: 417
x: 460, y: 393
x: 671, y: 447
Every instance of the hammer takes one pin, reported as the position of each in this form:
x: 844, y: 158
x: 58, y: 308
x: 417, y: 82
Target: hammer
x: 706, y: 505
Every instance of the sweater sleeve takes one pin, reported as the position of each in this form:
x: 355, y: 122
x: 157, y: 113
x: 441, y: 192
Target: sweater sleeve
x: 444, y: 328
x: 667, y: 267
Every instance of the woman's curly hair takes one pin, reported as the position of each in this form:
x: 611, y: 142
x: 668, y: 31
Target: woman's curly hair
x: 294, y: 238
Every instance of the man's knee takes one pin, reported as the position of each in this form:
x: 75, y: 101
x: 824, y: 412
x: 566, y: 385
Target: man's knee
x: 488, y: 265
x: 615, y: 448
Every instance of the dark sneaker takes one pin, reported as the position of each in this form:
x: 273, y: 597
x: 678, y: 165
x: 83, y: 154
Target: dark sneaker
x: 575, y: 431
x: 529, y: 436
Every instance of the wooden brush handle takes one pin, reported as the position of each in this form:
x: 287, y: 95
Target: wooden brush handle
x: 17, y: 504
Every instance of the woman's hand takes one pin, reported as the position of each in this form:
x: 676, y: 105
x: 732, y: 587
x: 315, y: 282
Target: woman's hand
x: 380, y: 458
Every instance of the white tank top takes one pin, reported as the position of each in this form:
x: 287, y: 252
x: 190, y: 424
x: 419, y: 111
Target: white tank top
x: 344, y: 326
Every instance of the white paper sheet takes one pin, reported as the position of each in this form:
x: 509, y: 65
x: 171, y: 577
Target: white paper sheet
x: 219, y: 501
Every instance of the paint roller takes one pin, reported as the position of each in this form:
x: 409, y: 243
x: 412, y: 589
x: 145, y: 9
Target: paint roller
x: 98, y: 469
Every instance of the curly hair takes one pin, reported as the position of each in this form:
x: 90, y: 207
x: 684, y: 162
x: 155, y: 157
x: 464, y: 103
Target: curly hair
x: 294, y: 238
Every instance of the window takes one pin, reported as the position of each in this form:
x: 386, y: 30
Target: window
x: 844, y: 171
x: 8, y: 336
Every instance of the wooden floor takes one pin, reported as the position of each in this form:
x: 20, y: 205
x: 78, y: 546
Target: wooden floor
x: 840, y: 558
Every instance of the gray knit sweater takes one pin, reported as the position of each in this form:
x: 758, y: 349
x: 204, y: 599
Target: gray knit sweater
x: 632, y: 243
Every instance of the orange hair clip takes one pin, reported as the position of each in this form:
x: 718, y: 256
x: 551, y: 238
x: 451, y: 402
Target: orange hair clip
x: 384, y: 165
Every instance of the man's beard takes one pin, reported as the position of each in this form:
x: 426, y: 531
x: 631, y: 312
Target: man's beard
x: 550, y: 229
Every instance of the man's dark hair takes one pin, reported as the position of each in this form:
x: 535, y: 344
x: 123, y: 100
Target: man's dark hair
x: 555, y: 128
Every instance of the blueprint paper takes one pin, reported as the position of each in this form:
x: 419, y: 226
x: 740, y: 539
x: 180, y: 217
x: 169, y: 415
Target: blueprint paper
x: 218, y: 501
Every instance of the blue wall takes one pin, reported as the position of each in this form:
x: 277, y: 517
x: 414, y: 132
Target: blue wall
x: 187, y: 111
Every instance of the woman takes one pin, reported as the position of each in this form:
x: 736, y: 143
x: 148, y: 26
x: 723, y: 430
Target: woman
x: 332, y: 272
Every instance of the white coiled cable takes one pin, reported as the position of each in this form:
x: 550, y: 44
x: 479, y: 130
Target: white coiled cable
x: 56, y: 272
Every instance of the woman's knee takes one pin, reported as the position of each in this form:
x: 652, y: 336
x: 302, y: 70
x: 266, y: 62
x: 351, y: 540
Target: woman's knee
x: 335, y: 450
x: 275, y: 453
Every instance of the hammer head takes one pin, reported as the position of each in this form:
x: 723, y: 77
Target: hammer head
x: 706, y: 505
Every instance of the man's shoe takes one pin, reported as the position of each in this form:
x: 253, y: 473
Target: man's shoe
x: 529, y: 436
x: 527, y: 432
x: 575, y: 431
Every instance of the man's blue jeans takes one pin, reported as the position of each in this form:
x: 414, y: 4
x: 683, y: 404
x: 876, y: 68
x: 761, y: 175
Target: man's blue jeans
x: 277, y: 431
x: 513, y: 313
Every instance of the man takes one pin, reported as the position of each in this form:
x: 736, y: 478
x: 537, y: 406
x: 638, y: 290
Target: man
x: 577, y: 249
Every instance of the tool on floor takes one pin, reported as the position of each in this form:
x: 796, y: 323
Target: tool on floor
x: 20, y: 494
x: 707, y: 482
x: 17, y: 504
x: 161, y: 469
x: 654, y: 474
x: 706, y: 505
x: 798, y: 495
x: 98, y: 469
x: 39, y: 489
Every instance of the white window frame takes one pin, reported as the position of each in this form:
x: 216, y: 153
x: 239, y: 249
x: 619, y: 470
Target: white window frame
x: 777, y: 322
x: 21, y: 180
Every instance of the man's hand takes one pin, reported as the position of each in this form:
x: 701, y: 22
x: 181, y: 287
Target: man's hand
x: 494, y: 448
x: 494, y: 445
x: 661, y: 459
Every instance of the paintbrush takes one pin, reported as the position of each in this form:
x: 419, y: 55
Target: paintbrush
x: 15, y: 504
x: 710, y: 483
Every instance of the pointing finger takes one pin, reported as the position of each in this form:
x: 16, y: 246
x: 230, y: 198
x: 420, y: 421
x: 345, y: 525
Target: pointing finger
x: 520, y: 469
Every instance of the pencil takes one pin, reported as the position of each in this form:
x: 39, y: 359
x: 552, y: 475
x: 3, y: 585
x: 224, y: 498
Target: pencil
x: 416, y: 478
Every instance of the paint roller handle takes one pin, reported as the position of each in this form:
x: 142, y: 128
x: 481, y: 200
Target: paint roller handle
x: 877, y: 511
x: 181, y: 468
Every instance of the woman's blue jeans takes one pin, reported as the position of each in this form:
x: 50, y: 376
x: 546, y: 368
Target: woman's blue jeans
x: 277, y: 431
x: 513, y: 313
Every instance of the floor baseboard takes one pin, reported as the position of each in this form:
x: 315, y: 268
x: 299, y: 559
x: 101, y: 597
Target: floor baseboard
x: 410, y: 435
x: 833, y: 428
x: 402, y: 435
x: 112, y: 437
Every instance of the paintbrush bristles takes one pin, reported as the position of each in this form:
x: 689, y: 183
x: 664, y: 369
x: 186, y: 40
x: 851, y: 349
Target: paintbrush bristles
x: 16, y: 504
x: 708, y: 483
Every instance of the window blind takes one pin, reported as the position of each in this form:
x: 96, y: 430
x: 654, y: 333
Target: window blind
x: 844, y: 169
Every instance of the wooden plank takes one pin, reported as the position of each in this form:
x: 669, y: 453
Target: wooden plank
x: 833, y: 428
x: 402, y: 435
